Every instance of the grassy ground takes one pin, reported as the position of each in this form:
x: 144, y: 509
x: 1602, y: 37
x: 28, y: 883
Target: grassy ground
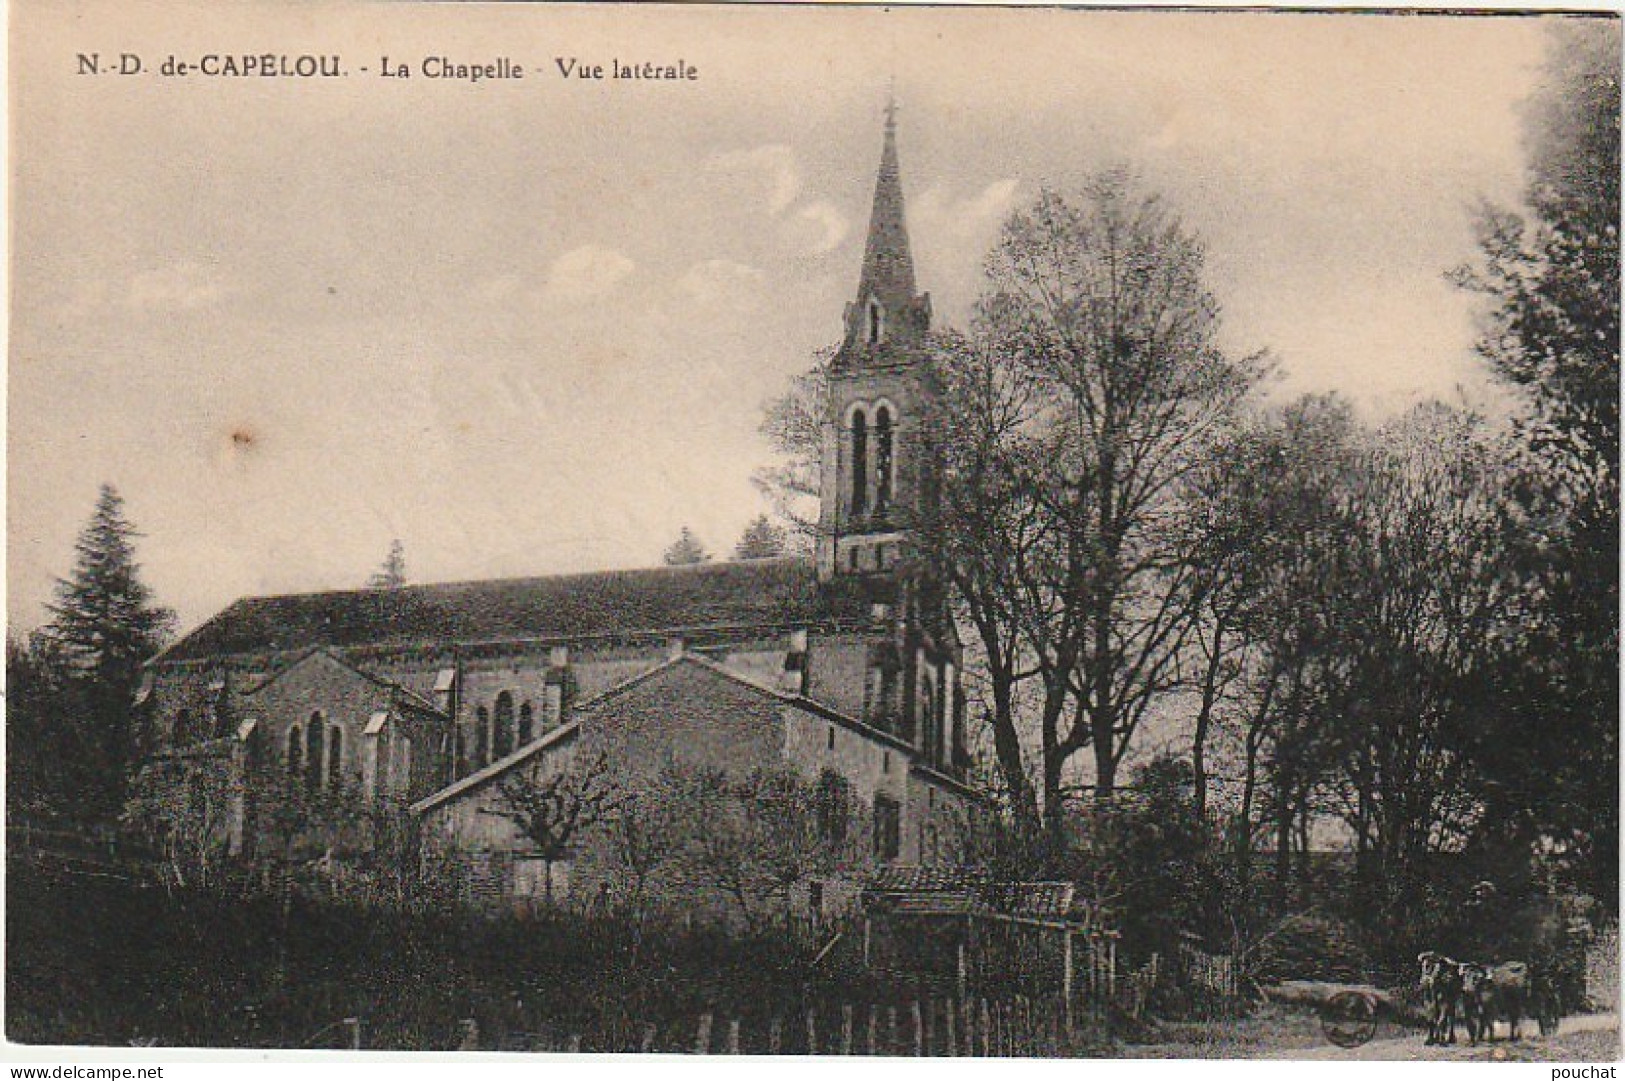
x: 1291, y: 1033
x: 1599, y: 1046
x: 1271, y: 1029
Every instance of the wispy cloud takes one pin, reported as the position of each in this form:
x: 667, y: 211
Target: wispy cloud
x: 183, y: 287
x: 942, y: 208
x: 772, y: 169
x: 586, y: 272
x: 816, y: 228
x: 719, y: 281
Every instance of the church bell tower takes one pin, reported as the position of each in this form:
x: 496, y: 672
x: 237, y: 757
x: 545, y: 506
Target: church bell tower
x: 880, y: 487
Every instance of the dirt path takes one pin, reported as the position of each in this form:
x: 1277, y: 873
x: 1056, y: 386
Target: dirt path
x: 1571, y: 1038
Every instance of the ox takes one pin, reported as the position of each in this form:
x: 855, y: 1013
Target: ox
x: 1441, y: 984
x: 1490, y: 993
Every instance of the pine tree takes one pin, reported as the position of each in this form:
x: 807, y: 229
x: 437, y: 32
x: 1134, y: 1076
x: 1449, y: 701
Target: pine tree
x: 761, y: 540
x: 391, y: 574
x: 686, y: 549
x: 104, y: 625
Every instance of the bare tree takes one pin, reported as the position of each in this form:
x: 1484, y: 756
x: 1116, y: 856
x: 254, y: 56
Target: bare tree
x: 793, y: 425
x: 757, y: 837
x: 184, y: 806
x: 552, y: 812
x: 1096, y: 308
x: 647, y: 836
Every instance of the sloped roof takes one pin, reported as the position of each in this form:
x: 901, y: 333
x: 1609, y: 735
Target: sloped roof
x: 749, y: 593
x: 502, y: 765
x: 909, y: 890
x: 696, y: 697
x: 582, y: 711
x: 400, y: 693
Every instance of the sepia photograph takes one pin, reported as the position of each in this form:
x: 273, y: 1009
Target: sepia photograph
x: 811, y: 530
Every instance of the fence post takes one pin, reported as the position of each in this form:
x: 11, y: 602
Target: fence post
x: 1066, y: 975
x: 846, y: 1028
x: 874, y: 1027
x: 470, y: 1040
x: 572, y: 1046
x: 352, y: 1031
x: 1111, y: 965
x: 950, y: 1040
x: 702, y: 1038
x: 775, y: 1034
x: 891, y: 1018
x: 812, y: 1030
x: 967, y: 1014
x: 919, y: 1029
x: 733, y: 1036
x: 987, y: 1030
x: 647, y: 1043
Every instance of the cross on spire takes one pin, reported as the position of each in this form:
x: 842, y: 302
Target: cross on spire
x: 888, y: 264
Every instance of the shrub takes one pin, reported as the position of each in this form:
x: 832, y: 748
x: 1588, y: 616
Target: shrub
x: 1309, y: 947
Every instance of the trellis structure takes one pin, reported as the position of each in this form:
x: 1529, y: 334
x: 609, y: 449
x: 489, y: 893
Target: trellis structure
x: 970, y: 933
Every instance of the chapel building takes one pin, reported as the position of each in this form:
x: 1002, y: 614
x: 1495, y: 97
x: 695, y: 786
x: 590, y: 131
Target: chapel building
x: 428, y: 695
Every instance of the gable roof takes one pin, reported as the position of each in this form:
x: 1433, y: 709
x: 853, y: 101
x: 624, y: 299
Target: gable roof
x: 495, y: 769
x: 903, y: 889
x: 586, y: 709
x: 764, y: 592
x: 399, y: 692
x: 558, y: 735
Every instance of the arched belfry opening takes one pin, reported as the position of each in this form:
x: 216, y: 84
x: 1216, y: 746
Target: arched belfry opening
x: 883, y: 460
x: 881, y: 485
x: 860, y: 463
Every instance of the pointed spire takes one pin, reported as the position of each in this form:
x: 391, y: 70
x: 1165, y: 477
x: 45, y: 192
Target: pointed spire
x: 888, y: 265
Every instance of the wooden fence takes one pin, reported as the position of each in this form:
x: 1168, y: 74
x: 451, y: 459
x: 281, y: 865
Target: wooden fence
x: 1215, y: 975
x: 942, y: 1027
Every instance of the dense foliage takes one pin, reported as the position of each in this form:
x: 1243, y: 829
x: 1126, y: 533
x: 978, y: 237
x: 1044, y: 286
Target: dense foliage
x: 69, y: 717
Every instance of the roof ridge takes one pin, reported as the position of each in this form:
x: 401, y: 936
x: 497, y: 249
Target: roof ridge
x: 418, y: 587
x: 339, y: 659
x: 562, y: 607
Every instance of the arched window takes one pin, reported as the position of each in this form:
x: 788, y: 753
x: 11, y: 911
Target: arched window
x: 314, y: 739
x: 883, y: 460
x: 832, y: 803
x: 860, y: 462
x: 335, y: 756
x: 928, y: 716
x: 459, y: 751
x: 875, y: 322
x: 482, y: 738
x: 502, y: 732
x: 527, y: 724
x: 296, y: 751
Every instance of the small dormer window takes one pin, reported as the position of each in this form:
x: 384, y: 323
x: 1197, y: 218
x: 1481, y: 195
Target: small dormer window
x: 876, y: 322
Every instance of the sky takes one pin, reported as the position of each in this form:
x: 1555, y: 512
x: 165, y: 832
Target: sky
x: 529, y: 326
